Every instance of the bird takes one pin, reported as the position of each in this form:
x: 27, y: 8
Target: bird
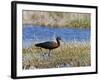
x: 50, y: 45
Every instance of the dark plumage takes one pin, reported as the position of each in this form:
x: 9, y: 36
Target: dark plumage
x: 49, y: 44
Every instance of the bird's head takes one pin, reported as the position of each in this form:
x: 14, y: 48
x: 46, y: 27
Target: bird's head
x: 58, y: 38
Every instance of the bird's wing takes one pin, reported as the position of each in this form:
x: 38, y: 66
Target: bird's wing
x: 48, y: 44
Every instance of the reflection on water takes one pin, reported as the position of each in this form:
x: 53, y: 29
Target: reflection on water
x: 34, y: 34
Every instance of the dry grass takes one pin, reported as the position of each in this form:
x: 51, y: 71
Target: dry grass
x: 67, y: 55
x: 57, y: 19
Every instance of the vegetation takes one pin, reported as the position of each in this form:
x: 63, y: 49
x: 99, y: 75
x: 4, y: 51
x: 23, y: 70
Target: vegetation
x: 57, y: 19
x: 72, y: 54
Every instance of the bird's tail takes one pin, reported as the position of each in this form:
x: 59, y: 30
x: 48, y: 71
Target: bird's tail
x: 37, y: 45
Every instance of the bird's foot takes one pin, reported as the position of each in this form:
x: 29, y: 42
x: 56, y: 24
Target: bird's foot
x: 46, y: 56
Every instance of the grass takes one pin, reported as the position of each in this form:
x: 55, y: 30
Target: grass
x: 67, y: 55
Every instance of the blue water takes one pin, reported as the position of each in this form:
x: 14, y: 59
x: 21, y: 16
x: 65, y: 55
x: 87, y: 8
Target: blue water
x: 34, y: 34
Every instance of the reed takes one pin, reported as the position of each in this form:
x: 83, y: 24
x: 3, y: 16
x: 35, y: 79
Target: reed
x: 57, y: 19
x: 72, y: 54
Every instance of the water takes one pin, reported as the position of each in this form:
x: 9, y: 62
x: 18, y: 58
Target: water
x: 35, y: 34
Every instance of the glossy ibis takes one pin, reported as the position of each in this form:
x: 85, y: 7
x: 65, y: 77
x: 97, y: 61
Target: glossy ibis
x: 49, y: 44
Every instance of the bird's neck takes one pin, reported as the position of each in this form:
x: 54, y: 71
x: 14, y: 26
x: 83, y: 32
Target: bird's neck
x: 58, y: 42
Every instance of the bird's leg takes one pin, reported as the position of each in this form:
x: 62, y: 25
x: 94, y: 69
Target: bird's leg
x: 40, y: 49
x: 42, y: 52
x: 49, y: 53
